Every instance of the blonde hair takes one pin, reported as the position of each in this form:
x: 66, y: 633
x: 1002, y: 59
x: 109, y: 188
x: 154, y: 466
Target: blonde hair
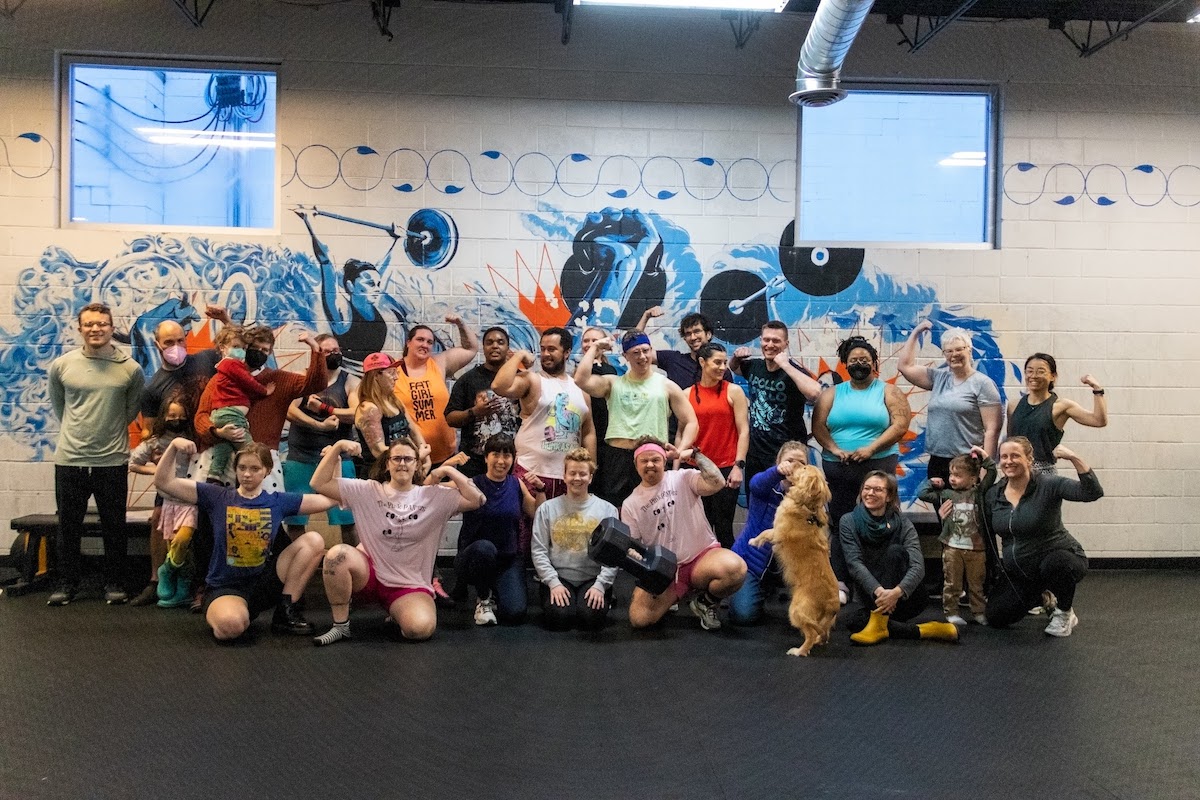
x: 372, y: 390
x: 580, y: 455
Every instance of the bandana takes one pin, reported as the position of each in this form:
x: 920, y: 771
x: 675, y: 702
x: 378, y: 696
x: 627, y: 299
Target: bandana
x: 635, y: 341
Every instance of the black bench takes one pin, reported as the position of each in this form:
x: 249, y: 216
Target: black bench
x: 36, y: 534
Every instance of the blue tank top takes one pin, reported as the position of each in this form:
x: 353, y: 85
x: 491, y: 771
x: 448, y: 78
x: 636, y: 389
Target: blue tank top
x: 858, y: 417
x: 498, y: 519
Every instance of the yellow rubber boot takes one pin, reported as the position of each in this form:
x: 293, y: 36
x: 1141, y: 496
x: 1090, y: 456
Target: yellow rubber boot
x: 876, y: 630
x: 942, y: 631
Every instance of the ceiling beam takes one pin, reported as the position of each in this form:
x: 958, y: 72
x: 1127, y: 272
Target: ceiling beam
x: 1086, y: 48
x: 192, y: 11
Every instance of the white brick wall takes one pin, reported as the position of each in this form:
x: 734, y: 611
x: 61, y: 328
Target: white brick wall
x: 1110, y: 290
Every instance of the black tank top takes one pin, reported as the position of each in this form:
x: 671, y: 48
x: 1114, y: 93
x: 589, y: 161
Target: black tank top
x: 394, y: 427
x: 1036, y: 423
x: 305, y: 443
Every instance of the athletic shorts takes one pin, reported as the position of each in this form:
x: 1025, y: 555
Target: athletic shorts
x: 382, y: 594
x: 261, y: 593
x: 297, y: 477
x: 683, y: 575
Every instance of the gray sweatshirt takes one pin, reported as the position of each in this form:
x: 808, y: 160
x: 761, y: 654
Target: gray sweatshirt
x: 561, y: 531
x: 95, y: 398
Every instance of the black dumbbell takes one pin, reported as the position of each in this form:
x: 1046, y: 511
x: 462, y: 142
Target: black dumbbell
x: 654, y: 571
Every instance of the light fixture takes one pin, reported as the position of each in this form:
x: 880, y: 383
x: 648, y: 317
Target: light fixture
x: 965, y: 158
x: 723, y: 5
x: 1195, y: 17
x: 245, y: 140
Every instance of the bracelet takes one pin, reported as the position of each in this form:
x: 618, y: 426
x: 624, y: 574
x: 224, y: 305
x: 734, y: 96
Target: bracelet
x: 1098, y: 392
x: 327, y: 409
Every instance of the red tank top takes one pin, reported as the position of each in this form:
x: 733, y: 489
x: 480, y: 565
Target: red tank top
x: 718, y: 436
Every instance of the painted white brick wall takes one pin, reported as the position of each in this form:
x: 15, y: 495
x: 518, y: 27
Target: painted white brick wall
x: 1109, y: 290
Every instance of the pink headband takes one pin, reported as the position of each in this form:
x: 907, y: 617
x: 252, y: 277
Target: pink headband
x: 650, y: 447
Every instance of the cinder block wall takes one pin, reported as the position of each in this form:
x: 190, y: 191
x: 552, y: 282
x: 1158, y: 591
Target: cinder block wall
x: 1108, y: 286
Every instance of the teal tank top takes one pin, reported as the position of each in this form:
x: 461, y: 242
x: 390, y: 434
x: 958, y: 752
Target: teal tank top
x: 858, y: 417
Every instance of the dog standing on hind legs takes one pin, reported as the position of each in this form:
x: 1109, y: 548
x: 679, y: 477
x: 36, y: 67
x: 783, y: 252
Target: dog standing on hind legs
x: 800, y: 540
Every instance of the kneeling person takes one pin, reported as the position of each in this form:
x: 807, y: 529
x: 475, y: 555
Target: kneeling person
x: 576, y: 591
x: 666, y: 509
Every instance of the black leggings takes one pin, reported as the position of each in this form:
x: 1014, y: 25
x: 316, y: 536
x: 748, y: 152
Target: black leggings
x: 1016, y: 591
x: 894, y: 567
x: 719, y: 508
x: 845, y: 484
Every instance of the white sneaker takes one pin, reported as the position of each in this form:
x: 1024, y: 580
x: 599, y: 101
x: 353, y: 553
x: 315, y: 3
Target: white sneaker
x: 485, y: 612
x: 1049, y: 603
x: 980, y: 619
x: 955, y: 619
x: 1062, y: 622
x: 706, y: 612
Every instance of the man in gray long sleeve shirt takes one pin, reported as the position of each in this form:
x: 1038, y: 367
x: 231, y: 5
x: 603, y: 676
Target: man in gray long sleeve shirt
x: 95, y: 393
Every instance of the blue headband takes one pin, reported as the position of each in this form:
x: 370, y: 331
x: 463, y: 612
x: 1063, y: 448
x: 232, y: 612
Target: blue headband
x: 635, y: 341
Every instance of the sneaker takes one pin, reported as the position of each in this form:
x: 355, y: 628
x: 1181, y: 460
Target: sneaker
x: 334, y: 634
x: 1049, y: 603
x: 485, y: 612
x: 980, y: 619
x: 705, y: 608
x: 147, y: 597
x: 955, y: 619
x: 290, y: 619
x: 440, y: 598
x: 64, y: 594
x: 198, y: 600
x: 1062, y: 623
x: 114, y: 595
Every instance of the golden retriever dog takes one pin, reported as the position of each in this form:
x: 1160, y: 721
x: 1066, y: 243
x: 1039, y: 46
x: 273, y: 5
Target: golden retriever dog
x: 801, y: 543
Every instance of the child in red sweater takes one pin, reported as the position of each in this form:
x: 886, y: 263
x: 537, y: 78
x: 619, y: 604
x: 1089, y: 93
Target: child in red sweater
x: 234, y: 389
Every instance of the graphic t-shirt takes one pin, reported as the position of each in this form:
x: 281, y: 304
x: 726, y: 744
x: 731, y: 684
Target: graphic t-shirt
x: 243, y: 530
x: 472, y: 436
x: 562, y: 529
x: 670, y: 514
x: 776, y: 410
x: 553, y: 428
x: 400, y: 530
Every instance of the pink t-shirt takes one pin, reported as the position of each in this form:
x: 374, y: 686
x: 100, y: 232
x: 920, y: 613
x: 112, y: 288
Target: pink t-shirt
x: 670, y: 514
x: 400, y: 530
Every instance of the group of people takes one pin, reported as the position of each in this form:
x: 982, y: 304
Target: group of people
x: 534, y: 457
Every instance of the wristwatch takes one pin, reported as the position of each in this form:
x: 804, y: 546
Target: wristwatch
x: 740, y: 463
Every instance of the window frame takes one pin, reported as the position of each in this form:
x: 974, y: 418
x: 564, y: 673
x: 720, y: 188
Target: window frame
x: 65, y: 59
x: 992, y: 187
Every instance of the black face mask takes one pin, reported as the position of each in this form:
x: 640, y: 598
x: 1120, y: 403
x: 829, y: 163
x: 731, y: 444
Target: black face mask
x: 333, y: 361
x: 859, y: 372
x: 175, y: 425
x: 255, y: 359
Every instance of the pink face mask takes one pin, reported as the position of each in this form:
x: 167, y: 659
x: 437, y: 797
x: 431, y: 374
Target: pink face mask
x: 175, y: 354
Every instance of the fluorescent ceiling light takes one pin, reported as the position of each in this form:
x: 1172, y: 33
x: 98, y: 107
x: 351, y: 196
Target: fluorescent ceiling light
x: 736, y: 5
x: 245, y: 140
x: 965, y: 158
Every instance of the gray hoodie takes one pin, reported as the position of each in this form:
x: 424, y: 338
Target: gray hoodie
x: 95, y: 398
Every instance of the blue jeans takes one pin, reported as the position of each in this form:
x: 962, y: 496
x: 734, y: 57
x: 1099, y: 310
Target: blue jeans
x: 746, y: 604
x: 481, y: 565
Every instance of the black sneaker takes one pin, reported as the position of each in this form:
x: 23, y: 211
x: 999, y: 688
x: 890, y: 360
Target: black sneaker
x: 147, y: 597
x: 114, y: 595
x: 64, y: 594
x: 289, y: 619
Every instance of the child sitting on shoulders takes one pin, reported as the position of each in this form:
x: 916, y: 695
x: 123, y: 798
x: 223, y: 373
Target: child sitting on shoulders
x: 960, y: 507
x: 235, y: 389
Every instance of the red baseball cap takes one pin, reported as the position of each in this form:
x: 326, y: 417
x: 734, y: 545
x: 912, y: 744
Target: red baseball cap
x: 378, y: 361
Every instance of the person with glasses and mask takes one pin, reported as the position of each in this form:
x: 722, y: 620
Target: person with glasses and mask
x: 858, y: 424
x: 400, y: 523
x: 317, y: 421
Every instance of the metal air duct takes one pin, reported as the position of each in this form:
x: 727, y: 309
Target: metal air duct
x: 833, y: 29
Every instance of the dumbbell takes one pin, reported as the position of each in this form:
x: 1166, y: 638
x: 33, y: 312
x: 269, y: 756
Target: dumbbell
x: 610, y: 544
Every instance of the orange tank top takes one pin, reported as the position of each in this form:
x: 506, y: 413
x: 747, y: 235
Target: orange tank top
x: 425, y: 400
x: 717, y: 436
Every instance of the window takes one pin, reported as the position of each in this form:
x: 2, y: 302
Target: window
x: 899, y: 166
x: 169, y: 144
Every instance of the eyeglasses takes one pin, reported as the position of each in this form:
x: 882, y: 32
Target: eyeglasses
x: 874, y: 490
x: 402, y: 459
x: 89, y: 325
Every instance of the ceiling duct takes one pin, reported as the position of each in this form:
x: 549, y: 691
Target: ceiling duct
x: 833, y: 29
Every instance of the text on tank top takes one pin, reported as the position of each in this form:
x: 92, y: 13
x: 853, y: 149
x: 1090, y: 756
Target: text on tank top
x: 553, y: 428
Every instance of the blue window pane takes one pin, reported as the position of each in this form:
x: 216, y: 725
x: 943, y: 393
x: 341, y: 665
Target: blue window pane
x: 896, y: 167
x: 170, y: 146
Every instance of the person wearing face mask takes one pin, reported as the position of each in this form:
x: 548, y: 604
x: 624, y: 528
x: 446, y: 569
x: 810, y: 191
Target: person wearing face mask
x: 183, y: 374
x: 858, y: 424
x: 319, y: 420
x: 235, y: 390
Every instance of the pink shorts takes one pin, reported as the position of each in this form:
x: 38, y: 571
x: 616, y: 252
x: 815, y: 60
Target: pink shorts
x: 176, y: 515
x: 683, y: 575
x: 376, y: 592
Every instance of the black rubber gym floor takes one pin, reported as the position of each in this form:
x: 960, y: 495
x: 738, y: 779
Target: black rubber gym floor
x: 102, y: 702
